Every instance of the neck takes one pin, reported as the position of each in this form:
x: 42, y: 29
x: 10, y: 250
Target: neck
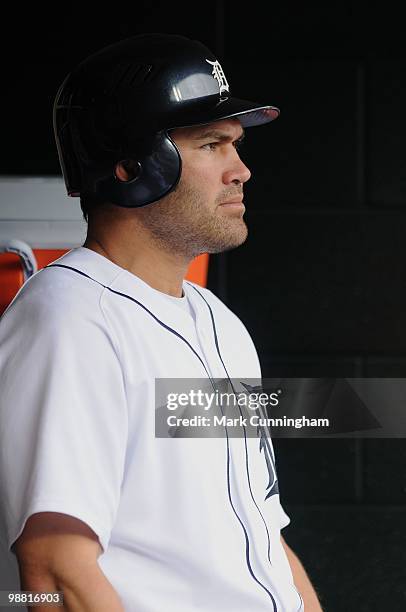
x: 141, y: 255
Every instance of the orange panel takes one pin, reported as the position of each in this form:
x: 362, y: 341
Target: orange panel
x: 45, y: 256
x: 198, y: 270
x: 11, y: 278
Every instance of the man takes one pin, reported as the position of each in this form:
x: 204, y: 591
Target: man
x: 95, y: 504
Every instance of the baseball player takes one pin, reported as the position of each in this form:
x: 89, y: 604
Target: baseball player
x: 94, y: 503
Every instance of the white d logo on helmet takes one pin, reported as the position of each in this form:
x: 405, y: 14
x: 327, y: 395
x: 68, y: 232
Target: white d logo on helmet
x: 218, y: 74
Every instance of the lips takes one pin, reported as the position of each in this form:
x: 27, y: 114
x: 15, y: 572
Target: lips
x: 235, y: 201
x: 234, y: 205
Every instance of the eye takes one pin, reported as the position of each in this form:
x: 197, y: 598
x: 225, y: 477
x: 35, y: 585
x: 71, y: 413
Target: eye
x: 210, y: 146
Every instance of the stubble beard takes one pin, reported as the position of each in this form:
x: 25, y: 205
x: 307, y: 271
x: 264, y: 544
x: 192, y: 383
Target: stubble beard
x: 183, y: 223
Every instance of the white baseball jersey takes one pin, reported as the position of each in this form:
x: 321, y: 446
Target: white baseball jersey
x: 185, y: 524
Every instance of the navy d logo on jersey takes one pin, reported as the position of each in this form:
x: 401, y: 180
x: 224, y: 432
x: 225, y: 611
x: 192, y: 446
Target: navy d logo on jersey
x: 265, y: 446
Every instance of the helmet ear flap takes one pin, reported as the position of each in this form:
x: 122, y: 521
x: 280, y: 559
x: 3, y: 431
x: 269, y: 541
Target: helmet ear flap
x: 150, y: 176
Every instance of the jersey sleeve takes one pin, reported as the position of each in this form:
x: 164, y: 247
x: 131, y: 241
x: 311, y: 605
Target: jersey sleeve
x: 63, y: 416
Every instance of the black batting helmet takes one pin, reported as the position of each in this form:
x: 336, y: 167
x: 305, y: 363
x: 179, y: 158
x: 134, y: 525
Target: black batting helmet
x: 119, y: 104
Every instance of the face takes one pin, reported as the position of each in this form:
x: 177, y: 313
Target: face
x: 204, y: 213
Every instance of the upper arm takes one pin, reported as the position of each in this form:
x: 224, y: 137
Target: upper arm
x: 63, y: 418
x: 50, y: 541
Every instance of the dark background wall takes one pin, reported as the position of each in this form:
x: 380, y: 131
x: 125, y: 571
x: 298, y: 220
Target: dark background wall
x: 320, y: 283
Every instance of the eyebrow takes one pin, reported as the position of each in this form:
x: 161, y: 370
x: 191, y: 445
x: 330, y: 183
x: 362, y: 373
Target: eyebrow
x: 218, y: 135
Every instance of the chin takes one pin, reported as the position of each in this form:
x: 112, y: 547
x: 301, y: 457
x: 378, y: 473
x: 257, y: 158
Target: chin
x: 229, y: 243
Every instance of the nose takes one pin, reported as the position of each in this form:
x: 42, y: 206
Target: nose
x: 237, y: 172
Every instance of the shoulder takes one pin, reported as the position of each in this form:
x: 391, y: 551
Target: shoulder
x: 73, y: 283
x: 52, y: 300
x: 55, y: 322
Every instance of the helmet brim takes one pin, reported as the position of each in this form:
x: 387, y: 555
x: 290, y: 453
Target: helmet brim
x: 249, y: 113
